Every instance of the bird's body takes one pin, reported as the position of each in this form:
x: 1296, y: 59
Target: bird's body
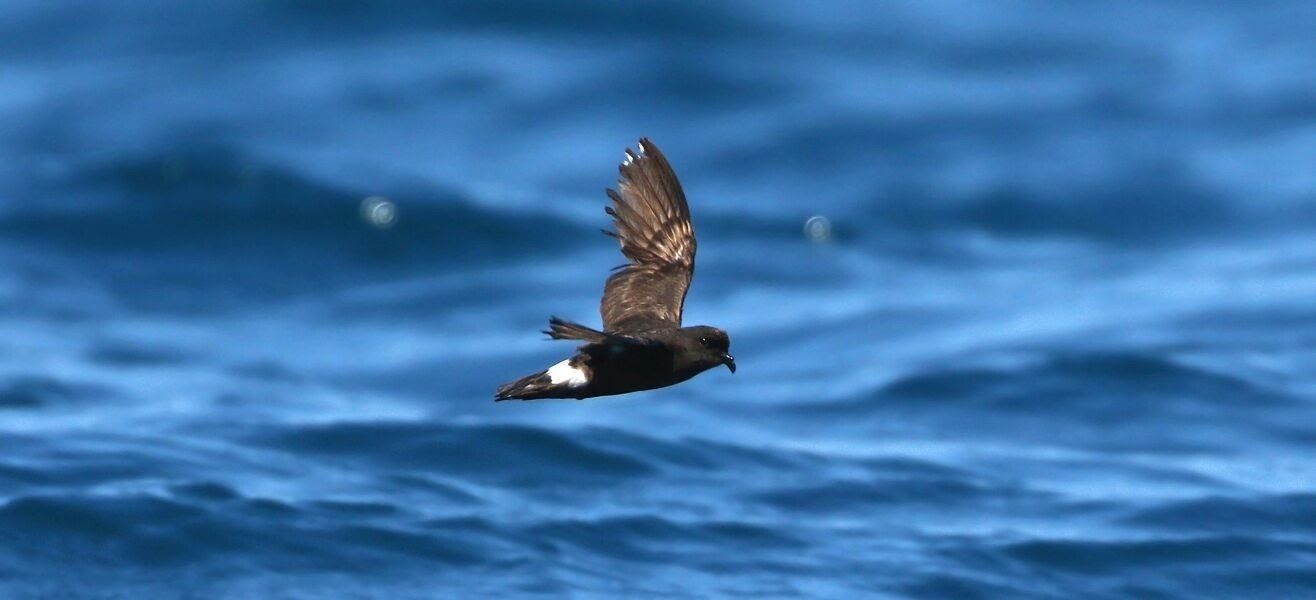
x: 642, y: 345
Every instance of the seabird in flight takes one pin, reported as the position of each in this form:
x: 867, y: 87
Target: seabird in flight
x: 642, y: 345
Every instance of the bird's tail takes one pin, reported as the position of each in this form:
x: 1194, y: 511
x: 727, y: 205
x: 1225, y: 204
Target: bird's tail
x: 529, y: 387
x: 566, y: 330
x: 563, y: 380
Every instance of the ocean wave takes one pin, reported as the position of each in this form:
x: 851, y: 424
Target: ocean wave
x: 1069, y: 377
x: 211, y: 229
x: 214, y: 200
x: 1159, y: 566
x: 1280, y: 515
x: 26, y: 392
x: 1115, y: 400
x: 1155, y: 205
x: 647, y: 538
x: 154, y: 530
x: 850, y: 495
x: 524, y: 454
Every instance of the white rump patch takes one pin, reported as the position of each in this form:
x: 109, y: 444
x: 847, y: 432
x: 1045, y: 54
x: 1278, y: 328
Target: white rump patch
x: 563, y: 372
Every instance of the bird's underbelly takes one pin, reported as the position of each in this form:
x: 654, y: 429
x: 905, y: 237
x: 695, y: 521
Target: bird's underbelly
x: 613, y: 373
x: 622, y: 381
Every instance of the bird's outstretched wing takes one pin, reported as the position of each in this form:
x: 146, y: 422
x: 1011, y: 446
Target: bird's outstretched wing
x: 653, y: 226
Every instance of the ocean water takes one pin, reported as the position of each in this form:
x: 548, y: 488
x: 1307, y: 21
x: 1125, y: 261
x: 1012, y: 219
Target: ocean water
x: 1060, y: 341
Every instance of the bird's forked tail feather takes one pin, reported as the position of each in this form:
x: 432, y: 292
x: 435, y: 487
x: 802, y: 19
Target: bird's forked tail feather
x: 526, y: 388
x: 559, y: 329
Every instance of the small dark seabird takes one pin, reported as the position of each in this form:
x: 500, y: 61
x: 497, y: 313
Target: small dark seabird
x: 642, y: 345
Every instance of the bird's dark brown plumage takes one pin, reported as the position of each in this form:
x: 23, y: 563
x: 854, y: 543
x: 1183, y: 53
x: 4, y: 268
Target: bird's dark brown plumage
x: 642, y: 345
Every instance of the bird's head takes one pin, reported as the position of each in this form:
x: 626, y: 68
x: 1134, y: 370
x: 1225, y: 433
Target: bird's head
x: 713, y: 346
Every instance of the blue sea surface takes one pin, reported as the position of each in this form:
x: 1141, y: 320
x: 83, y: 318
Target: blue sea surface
x: 1054, y: 335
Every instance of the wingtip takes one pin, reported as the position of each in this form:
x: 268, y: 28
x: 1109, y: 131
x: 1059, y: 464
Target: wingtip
x: 643, y: 148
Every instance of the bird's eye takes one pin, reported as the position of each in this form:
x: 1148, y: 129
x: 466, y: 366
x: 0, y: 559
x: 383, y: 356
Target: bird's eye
x: 703, y: 341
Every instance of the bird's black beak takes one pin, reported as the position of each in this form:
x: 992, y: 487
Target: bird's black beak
x: 729, y: 361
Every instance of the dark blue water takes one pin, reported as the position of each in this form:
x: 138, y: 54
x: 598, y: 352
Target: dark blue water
x: 1061, y: 342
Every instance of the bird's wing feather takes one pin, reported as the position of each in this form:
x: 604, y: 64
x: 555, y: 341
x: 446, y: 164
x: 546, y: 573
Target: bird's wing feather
x: 653, y: 226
